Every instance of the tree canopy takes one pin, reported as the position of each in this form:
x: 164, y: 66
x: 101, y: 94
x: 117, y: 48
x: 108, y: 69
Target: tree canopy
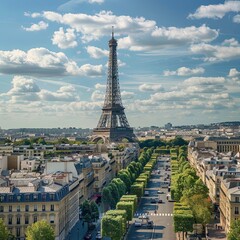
x: 4, y: 233
x: 234, y: 233
x: 40, y: 230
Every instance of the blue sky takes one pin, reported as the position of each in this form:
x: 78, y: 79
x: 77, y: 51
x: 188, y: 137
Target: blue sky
x: 178, y: 61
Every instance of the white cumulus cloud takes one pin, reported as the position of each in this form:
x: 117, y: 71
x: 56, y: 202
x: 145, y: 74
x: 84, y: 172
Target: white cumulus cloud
x: 142, y: 34
x: 204, y: 80
x: 26, y: 89
x: 233, y: 72
x: 100, y: 86
x: 43, y: 62
x: 158, y: 38
x: 236, y: 18
x: 216, y: 11
x: 23, y: 85
x: 36, y: 27
x: 150, y: 87
x: 127, y: 95
x: 96, y: 1
x: 97, y: 95
x: 64, y: 39
x: 184, y: 71
x: 230, y: 49
x: 96, y: 52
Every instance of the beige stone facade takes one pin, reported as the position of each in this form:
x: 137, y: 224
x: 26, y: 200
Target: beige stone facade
x: 57, y: 203
x: 229, y: 202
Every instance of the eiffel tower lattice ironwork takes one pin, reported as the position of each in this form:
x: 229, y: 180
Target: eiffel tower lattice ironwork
x: 113, y: 125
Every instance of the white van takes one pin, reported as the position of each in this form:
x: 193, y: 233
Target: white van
x: 138, y: 223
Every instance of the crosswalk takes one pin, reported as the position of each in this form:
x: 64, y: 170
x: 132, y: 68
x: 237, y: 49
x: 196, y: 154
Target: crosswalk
x: 155, y: 214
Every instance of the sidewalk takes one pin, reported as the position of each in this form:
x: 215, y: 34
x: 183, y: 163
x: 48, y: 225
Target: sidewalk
x: 215, y: 230
x: 214, y: 233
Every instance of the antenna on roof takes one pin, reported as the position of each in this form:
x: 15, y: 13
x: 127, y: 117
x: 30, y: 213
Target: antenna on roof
x: 112, y: 31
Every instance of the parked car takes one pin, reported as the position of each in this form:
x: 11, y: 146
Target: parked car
x: 143, y: 216
x: 146, y: 193
x: 160, y: 192
x: 88, y: 236
x: 150, y: 224
x: 153, y: 200
x: 98, y: 236
x: 160, y: 201
x: 137, y: 223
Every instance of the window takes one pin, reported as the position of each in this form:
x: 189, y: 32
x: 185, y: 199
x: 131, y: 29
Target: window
x: 35, y: 197
x: 236, y: 210
x: 1, y: 209
x: 18, y: 219
x: 52, y: 207
x: 18, y: 208
x: 43, y: 208
x: 236, y: 199
x: 26, y: 220
x: 34, y: 219
x: 1, y: 198
x: 35, y: 208
x: 10, y: 208
x: 26, y: 208
x: 51, y: 218
x: 44, y: 197
x: 10, y: 220
x: 27, y: 197
x: 10, y: 198
x: 52, y: 197
x: 18, y: 231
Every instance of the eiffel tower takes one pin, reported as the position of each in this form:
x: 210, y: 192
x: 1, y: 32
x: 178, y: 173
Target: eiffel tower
x: 113, y: 125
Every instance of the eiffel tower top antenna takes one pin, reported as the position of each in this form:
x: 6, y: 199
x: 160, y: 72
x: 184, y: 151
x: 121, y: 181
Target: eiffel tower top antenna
x: 112, y: 31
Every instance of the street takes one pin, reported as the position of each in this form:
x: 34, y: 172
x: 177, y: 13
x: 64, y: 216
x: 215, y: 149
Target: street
x: 159, y: 213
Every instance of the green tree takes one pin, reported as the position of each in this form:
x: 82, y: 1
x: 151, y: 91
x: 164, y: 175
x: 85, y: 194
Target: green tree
x: 63, y: 141
x: 7, y: 141
x: 89, y: 211
x: 183, y: 222
x: 41, y: 141
x: 94, y: 211
x: 234, y: 233
x: 120, y: 186
x: 178, y: 141
x: 137, y: 189
x: 124, y: 176
x: 128, y: 207
x: 114, y: 192
x: 200, y: 206
x: 110, y: 227
x: 117, y: 213
x: 4, y: 233
x: 40, y: 230
x: 107, y: 198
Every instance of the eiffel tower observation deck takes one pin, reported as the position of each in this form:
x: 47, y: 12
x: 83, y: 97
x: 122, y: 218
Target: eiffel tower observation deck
x: 113, y: 125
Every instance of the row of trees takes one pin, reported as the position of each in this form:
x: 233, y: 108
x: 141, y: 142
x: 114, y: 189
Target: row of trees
x: 37, y: 231
x: 177, y: 141
x: 125, y: 178
x: 135, y: 178
x: 40, y: 140
x: 189, y: 192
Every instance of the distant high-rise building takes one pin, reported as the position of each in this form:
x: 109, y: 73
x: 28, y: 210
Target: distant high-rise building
x: 113, y: 125
x: 168, y: 126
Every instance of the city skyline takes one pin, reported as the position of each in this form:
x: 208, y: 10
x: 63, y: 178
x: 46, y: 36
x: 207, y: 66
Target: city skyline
x: 178, y: 62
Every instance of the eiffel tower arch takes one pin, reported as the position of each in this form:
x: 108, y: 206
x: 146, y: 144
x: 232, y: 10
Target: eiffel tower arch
x: 113, y: 125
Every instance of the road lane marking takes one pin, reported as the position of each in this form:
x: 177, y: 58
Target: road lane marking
x: 154, y: 214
